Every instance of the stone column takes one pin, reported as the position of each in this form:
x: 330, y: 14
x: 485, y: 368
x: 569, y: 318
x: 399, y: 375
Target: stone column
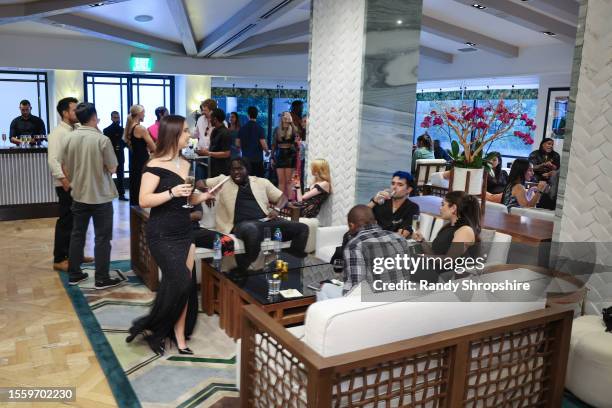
x: 363, y: 74
x: 584, y: 202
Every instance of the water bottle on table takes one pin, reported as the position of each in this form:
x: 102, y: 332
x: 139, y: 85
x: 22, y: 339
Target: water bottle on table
x: 278, y: 238
x: 217, y: 250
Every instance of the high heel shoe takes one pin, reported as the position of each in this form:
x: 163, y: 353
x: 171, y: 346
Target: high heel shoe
x: 186, y: 350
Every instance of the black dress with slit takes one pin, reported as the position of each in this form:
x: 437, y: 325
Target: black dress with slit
x: 169, y: 236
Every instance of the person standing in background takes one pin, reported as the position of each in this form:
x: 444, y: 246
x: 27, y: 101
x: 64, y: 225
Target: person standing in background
x: 202, y: 132
x: 63, y: 227
x: 234, y: 128
x: 252, y: 141
x: 90, y: 160
x: 220, y: 145
x: 26, y: 124
x: 284, y: 137
x: 115, y: 133
x: 160, y: 112
x: 140, y: 143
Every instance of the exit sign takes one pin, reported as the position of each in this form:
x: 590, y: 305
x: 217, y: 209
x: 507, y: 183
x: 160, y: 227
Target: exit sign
x: 141, y: 63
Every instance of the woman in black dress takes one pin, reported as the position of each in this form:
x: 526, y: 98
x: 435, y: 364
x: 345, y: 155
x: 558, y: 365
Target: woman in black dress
x: 318, y: 192
x: 285, y: 151
x: 170, y: 239
x: 140, y: 143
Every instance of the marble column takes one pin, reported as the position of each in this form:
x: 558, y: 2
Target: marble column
x: 363, y: 74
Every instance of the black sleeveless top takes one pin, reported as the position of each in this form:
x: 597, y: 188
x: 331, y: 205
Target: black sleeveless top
x: 169, y: 221
x: 140, y: 153
x: 444, y: 240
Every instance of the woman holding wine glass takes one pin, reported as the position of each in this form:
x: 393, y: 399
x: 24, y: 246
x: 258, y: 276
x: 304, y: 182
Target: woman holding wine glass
x: 317, y: 193
x: 165, y: 188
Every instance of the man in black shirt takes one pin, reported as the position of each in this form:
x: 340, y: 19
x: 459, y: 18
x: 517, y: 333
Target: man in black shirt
x: 115, y: 133
x: 220, y: 145
x: 252, y: 141
x: 26, y: 124
x: 394, y: 211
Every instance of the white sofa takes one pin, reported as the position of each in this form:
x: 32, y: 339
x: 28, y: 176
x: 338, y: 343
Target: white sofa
x: 346, y: 324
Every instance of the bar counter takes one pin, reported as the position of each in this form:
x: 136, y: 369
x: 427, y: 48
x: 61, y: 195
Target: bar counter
x: 26, y: 185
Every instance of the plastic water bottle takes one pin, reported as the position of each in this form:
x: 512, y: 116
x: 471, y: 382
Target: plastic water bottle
x: 217, y: 248
x: 278, y: 238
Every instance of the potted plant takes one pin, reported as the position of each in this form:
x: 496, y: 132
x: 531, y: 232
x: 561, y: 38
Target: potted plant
x: 476, y: 128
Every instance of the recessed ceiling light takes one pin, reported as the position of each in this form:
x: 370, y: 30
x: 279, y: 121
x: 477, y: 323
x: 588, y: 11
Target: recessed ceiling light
x: 471, y: 44
x: 400, y: 22
x: 97, y: 4
x: 550, y: 33
x: 143, y: 18
x: 478, y: 6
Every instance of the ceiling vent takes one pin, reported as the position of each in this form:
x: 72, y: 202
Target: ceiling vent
x: 467, y: 49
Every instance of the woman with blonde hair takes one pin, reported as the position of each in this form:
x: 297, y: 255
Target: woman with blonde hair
x: 318, y: 192
x: 140, y: 143
x: 285, y: 157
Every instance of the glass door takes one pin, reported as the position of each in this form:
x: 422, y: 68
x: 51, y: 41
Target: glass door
x: 118, y: 92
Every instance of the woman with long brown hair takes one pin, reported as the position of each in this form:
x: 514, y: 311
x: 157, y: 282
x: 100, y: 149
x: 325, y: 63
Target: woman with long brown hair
x: 285, y: 151
x: 169, y: 236
x: 140, y: 144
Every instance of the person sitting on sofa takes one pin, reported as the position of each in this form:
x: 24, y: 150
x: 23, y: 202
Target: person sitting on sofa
x: 205, y: 238
x: 366, y: 238
x: 423, y: 151
x: 318, y: 192
x: 497, y: 180
x: 515, y: 194
x: 393, y: 210
x: 243, y: 209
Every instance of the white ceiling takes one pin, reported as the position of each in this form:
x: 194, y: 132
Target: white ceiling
x: 207, y: 16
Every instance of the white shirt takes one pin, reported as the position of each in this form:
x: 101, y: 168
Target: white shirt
x: 57, y: 143
x: 203, y: 131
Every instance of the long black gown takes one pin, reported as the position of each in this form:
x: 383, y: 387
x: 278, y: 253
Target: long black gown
x: 138, y: 159
x: 169, y: 235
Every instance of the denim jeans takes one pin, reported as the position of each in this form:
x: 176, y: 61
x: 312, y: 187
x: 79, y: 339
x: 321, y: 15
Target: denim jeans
x: 102, y: 215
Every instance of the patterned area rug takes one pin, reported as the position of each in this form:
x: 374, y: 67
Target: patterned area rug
x: 137, y: 376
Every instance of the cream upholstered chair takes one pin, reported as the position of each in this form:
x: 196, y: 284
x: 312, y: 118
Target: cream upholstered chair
x: 426, y: 167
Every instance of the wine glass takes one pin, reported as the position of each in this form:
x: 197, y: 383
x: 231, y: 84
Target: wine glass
x: 190, y: 179
x: 416, y: 223
x: 4, y: 138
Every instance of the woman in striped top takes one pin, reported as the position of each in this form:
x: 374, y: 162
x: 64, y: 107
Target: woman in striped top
x: 515, y: 193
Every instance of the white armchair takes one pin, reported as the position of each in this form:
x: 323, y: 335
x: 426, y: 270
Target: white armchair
x: 328, y: 239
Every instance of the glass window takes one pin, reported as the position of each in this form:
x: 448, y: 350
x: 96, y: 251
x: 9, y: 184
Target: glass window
x: 14, y: 87
x: 443, y: 134
x: 510, y: 145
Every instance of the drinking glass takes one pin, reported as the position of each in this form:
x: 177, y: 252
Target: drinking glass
x: 338, y: 265
x: 4, y: 138
x: 190, y: 179
x: 416, y: 223
x: 267, y: 233
x: 381, y: 199
x: 273, y: 285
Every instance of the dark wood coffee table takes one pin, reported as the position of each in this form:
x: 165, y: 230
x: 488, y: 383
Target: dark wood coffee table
x: 226, y: 289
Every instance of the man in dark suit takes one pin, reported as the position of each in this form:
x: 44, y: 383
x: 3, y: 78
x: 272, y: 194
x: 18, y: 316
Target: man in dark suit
x: 115, y: 134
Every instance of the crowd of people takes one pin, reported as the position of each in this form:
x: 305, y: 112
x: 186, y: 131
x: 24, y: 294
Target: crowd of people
x: 82, y: 160
x: 532, y: 181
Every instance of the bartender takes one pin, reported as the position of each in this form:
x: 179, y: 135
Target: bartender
x: 26, y: 124
x: 115, y: 133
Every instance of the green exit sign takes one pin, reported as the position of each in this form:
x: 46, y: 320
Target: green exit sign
x: 141, y: 63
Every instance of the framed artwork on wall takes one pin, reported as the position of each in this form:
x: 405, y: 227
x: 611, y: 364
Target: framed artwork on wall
x: 556, y: 113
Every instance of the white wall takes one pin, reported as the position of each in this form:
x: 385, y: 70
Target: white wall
x: 62, y: 84
x: 197, y: 88
x: 96, y: 55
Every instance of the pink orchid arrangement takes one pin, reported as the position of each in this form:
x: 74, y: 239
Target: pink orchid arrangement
x: 487, y: 124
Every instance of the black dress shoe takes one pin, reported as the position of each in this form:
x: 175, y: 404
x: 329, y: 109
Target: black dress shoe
x: 186, y: 350
x: 122, y: 198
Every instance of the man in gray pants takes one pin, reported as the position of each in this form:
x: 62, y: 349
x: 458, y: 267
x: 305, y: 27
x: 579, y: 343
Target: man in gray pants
x: 89, y: 161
